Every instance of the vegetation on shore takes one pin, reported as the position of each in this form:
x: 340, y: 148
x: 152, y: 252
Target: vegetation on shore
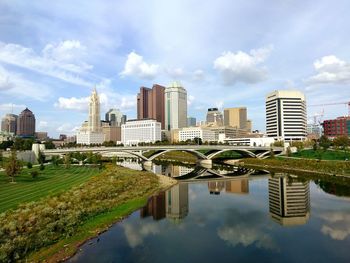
x: 303, y: 165
x: 69, y: 214
x: 340, y: 155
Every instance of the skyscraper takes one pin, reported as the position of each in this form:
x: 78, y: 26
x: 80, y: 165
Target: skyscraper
x: 236, y: 117
x: 26, y: 124
x: 150, y: 104
x: 176, y: 200
x: 286, y: 115
x: 214, y: 117
x: 115, y: 118
x: 289, y: 201
x: 175, y: 107
x: 9, y: 123
x: 191, y: 122
x: 91, y: 131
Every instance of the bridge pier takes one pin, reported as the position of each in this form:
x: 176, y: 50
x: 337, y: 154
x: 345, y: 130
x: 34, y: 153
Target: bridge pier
x: 147, y: 165
x: 206, y: 163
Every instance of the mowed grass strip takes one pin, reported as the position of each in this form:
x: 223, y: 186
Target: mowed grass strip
x: 50, y: 181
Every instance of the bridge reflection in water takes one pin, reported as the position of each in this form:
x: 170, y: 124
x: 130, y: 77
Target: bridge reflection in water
x: 289, y: 199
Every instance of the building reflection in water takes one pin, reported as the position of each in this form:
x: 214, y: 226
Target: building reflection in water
x: 172, y: 204
x: 289, y: 201
x: 232, y: 186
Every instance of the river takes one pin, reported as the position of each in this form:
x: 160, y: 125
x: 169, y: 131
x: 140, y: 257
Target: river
x: 230, y: 215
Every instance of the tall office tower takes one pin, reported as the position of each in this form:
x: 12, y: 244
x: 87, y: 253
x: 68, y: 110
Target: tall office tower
x: 91, y: 131
x: 155, y: 207
x: 286, y: 115
x: 9, y: 123
x: 249, y: 125
x: 176, y: 201
x: 115, y: 118
x: 289, y: 201
x: 26, y: 124
x: 175, y: 107
x: 214, y: 117
x: 236, y: 117
x: 191, y: 122
x: 150, y: 104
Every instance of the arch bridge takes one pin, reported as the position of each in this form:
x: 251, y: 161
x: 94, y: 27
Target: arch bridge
x: 204, y: 153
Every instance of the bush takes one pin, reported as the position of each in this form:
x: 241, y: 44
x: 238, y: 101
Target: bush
x: 34, y: 174
x: 41, y: 167
x: 29, y: 165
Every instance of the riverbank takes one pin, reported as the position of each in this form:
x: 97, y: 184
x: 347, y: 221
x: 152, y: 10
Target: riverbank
x: 306, y: 168
x: 53, y: 228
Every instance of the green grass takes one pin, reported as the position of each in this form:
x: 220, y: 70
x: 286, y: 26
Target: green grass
x: 50, y: 181
x: 328, y: 155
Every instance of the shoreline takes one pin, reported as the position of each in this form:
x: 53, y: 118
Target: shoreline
x: 65, y: 249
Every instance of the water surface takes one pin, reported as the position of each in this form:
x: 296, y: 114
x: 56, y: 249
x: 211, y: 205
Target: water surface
x: 252, y: 217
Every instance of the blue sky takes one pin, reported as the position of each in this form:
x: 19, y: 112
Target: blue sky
x: 225, y: 53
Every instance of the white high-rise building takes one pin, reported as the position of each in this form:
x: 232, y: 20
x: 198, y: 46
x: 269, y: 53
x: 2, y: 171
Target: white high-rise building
x: 175, y: 107
x: 286, y: 115
x: 91, y: 131
x: 134, y: 132
x: 289, y: 201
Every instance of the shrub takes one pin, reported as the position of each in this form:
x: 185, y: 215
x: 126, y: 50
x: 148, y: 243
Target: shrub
x: 29, y: 165
x: 41, y: 167
x: 34, y: 174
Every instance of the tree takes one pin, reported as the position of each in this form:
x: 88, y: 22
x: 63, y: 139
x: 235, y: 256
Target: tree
x: 55, y: 160
x: 49, y: 145
x: 13, y: 166
x: 272, y: 154
x: 197, y: 140
x: 342, y: 142
x: 325, y: 143
x: 289, y: 151
x: 41, y: 158
x: 1, y: 159
x: 67, y: 160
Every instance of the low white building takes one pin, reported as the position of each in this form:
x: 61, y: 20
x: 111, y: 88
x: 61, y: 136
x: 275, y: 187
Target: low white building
x: 136, y: 131
x: 259, y: 142
x: 190, y: 133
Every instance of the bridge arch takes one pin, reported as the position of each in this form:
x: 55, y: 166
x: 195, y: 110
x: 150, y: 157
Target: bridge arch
x: 199, y: 155
x: 241, y: 151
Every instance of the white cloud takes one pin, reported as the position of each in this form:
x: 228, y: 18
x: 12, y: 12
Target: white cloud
x: 62, y: 61
x: 241, y: 66
x: 73, y: 103
x: 330, y: 70
x: 8, y: 107
x: 66, y: 128
x: 198, y: 75
x: 14, y: 84
x: 338, y: 225
x: 175, y: 73
x: 190, y: 100
x: 136, y: 66
x: 135, y: 234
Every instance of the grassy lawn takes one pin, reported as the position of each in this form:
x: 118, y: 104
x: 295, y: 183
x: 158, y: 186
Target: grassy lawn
x: 50, y: 181
x: 328, y: 155
x: 51, y: 228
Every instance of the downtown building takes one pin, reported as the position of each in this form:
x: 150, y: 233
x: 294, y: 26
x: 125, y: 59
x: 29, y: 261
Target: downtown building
x: 26, y: 124
x: 175, y: 107
x: 237, y: 117
x: 214, y: 117
x: 9, y: 124
x: 91, y: 130
x: 189, y: 133
x: 286, y: 115
x: 134, y: 132
x: 337, y: 127
x: 150, y: 104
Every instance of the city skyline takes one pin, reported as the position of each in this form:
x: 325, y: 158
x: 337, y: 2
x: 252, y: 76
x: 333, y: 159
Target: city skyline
x: 285, y: 47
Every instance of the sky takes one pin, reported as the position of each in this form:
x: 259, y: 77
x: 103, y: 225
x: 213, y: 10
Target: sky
x: 225, y: 53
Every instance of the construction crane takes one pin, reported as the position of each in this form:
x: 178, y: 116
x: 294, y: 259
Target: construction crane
x: 335, y: 103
